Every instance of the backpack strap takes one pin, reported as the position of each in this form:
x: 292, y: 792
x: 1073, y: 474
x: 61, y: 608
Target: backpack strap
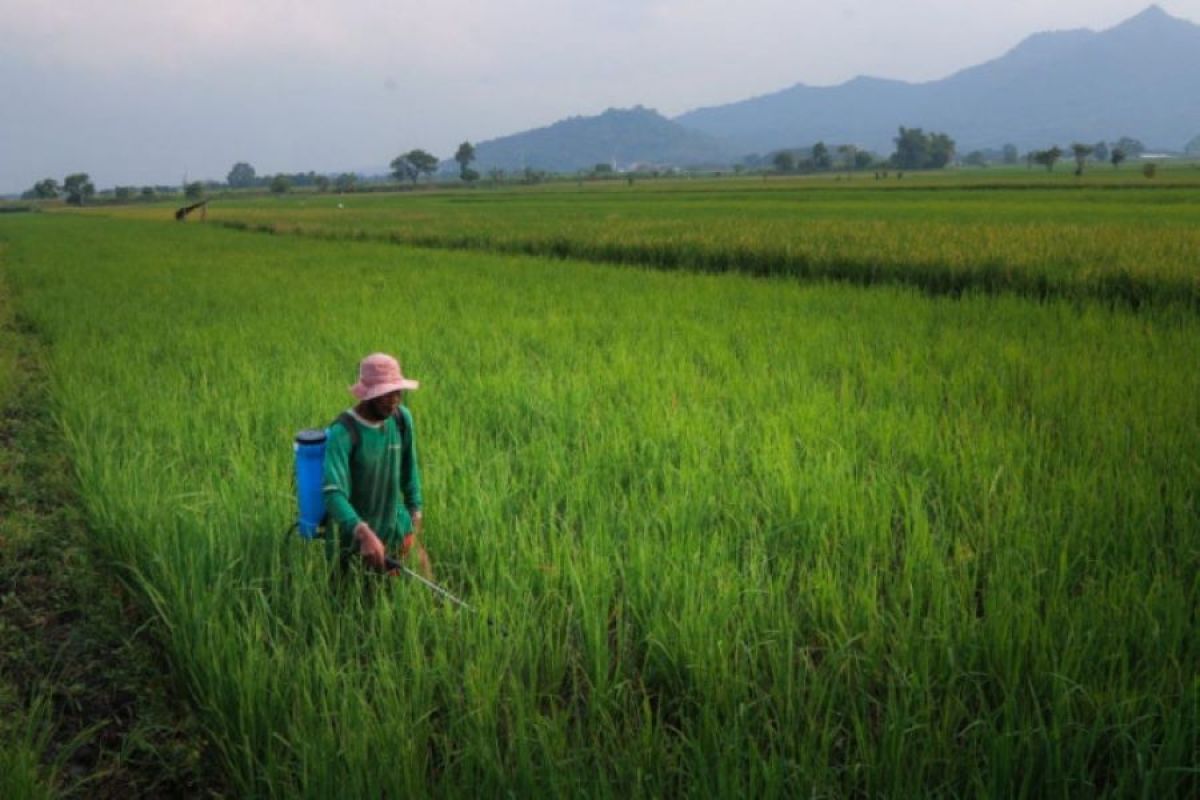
x: 346, y: 420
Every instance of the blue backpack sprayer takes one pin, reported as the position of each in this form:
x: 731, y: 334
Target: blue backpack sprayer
x: 309, y: 448
x: 310, y: 458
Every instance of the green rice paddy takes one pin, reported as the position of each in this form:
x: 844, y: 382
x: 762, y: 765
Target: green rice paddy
x: 736, y: 536
x: 1036, y: 235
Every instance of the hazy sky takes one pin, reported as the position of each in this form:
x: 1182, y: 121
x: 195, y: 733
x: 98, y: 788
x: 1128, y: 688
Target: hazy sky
x: 147, y: 91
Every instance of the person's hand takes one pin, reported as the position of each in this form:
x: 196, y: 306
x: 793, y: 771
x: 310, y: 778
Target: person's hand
x: 418, y: 520
x: 369, y: 545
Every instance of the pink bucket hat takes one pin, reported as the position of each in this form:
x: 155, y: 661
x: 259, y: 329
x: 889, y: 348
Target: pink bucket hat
x: 379, y: 374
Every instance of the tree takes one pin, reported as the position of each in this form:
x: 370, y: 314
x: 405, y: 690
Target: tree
x: 820, y: 157
x: 426, y: 163
x: 1149, y: 169
x: 1116, y: 157
x: 46, y: 189
x: 464, y: 155
x: 469, y: 175
x: 241, y: 176
x: 124, y: 193
x: 148, y: 193
x: 917, y: 150
x: 1132, y: 147
x: 404, y: 170
x: 1100, y: 151
x: 1009, y: 153
x: 602, y: 169
x: 976, y: 158
x: 848, y: 153
x: 863, y: 159
x: 345, y: 182
x: 1047, y: 157
x: 912, y: 148
x: 322, y: 182
x: 193, y: 190
x: 784, y: 161
x: 941, y: 151
x: 1192, y: 148
x: 413, y: 164
x: 78, y: 187
x: 1081, y: 153
x: 281, y: 184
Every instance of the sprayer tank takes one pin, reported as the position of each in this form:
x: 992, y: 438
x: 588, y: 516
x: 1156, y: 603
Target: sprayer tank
x: 310, y: 458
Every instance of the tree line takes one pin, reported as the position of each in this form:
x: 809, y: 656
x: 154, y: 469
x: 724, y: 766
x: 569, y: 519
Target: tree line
x: 78, y: 188
x: 1124, y: 148
x: 1114, y: 153
x: 407, y: 167
x: 75, y: 188
x: 412, y: 165
x: 914, y: 149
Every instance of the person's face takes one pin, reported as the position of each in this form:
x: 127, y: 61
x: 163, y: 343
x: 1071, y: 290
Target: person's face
x: 385, y: 405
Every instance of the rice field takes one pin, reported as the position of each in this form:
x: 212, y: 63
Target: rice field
x: 1107, y: 237
x: 727, y: 536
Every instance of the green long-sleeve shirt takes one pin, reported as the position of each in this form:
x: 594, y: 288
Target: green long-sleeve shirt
x: 380, y: 485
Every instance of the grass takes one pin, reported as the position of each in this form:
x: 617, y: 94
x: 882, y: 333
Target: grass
x: 745, y: 537
x: 25, y: 738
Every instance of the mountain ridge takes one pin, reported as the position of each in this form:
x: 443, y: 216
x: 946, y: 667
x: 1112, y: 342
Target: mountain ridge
x: 1052, y: 87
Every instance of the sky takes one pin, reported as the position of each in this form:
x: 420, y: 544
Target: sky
x: 138, y: 92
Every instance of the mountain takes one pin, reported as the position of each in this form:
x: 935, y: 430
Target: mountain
x: 1137, y: 79
x: 624, y: 136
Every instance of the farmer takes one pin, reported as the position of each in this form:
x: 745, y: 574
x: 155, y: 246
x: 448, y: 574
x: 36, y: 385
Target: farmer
x: 372, y: 484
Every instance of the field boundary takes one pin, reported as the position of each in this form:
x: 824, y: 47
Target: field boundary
x: 85, y: 692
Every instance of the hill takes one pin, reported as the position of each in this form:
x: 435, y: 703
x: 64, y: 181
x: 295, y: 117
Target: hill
x: 1135, y: 79
x: 622, y: 137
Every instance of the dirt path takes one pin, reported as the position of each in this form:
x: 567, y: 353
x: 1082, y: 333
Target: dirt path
x: 83, y: 687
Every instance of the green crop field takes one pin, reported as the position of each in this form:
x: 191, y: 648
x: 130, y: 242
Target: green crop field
x: 1109, y: 236
x: 726, y: 535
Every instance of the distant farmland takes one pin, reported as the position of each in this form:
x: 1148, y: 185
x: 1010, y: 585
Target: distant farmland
x: 1112, y: 236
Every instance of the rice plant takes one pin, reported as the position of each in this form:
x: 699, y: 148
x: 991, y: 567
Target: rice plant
x: 737, y: 537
